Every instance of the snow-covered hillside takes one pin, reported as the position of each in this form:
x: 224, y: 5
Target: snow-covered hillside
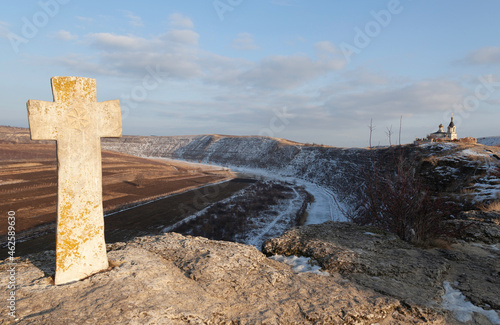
x: 327, y: 167
x: 489, y: 141
x: 338, y: 172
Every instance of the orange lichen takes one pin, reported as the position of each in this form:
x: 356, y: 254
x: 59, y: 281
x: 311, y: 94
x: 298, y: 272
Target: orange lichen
x: 75, y: 229
x: 66, y: 89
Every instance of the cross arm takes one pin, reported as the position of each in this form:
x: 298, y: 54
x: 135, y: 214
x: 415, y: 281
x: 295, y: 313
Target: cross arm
x: 43, y: 123
x: 110, y: 121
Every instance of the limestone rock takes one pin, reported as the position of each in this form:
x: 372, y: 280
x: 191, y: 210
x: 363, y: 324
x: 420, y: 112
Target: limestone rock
x: 172, y: 279
x: 386, y: 264
x: 478, y: 226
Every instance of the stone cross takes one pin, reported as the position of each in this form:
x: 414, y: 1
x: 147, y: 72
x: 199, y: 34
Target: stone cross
x: 77, y: 122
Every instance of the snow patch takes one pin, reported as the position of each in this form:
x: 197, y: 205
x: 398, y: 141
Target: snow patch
x: 439, y: 145
x: 454, y: 301
x: 469, y: 152
x: 484, y: 246
x: 284, y: 212
x: 300, y: 264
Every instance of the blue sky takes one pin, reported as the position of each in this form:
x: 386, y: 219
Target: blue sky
x: 309, y: 71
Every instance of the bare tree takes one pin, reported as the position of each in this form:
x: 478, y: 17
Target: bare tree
x: 372, y: 128
x: 400, y: 127
x: 389, y: 134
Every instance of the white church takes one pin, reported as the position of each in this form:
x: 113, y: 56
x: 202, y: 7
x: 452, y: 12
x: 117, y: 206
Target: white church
x: 441, y: 135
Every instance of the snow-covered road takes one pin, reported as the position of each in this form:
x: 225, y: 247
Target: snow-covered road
x: 258, y: 240
x: 324, y: 208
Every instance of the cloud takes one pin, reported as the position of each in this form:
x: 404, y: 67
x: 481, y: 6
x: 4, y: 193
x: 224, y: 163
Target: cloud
x: 287, y: 72
x: 177, y: 20
x: 64, y: 35
x: 329, y: 56
x: 84, y: 63
x: 4, y: 30
x: 174, y: 53
x: 185, y: 37
x: 112, y: 42
x: 326, y: 47
x: 282, y: 72
x: 85, y: 19
x: 177, y: 54
x: 416, y: 98
x: 134, y: 20
x: 485, y: 55
x: 244, y: 42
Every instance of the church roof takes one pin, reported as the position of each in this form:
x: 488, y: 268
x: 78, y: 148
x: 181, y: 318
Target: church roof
x: 451, y: 123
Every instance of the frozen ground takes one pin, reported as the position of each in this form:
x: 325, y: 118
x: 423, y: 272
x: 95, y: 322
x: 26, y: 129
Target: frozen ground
x: 274, y: 223
x: 300, y: 264
x: 483, y: 189
x: 455, y: 301
x: 324, y: 208
x: 271, y: 222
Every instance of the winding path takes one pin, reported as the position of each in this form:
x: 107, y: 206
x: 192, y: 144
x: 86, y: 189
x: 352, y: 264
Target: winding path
x: 258, y: 240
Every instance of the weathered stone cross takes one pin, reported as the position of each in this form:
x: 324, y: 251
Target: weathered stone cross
x: 77, y: 121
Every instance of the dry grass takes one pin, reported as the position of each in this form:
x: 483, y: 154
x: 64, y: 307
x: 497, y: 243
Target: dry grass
x: 493, y: 206
x: 434, y: 243
x: 433, y: 160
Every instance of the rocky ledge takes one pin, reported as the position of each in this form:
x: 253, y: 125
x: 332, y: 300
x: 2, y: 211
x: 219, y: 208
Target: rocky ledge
x: 374, y: 278
x: 382, y: 262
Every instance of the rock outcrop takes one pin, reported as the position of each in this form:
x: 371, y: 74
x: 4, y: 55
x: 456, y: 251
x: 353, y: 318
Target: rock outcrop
x: 388, y: 265
x: 478, y: 226
x: 172, y: 279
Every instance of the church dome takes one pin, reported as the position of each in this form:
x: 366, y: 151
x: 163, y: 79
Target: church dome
x: 451, y: 123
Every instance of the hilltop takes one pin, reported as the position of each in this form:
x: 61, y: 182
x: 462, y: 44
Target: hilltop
x: 489, y: 141
x: 337, y: 169
x: 367, y: 275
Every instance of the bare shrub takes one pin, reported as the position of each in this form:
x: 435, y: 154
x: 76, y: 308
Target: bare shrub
x: 395, y: 199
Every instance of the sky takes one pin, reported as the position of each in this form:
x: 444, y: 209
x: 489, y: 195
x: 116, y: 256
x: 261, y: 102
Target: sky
x: 309, y: 71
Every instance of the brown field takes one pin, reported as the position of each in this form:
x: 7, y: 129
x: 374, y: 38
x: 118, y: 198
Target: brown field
x: 28, y: 182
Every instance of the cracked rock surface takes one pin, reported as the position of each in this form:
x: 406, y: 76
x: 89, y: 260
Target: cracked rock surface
x: 382, y: 262
x: 173, y: 279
